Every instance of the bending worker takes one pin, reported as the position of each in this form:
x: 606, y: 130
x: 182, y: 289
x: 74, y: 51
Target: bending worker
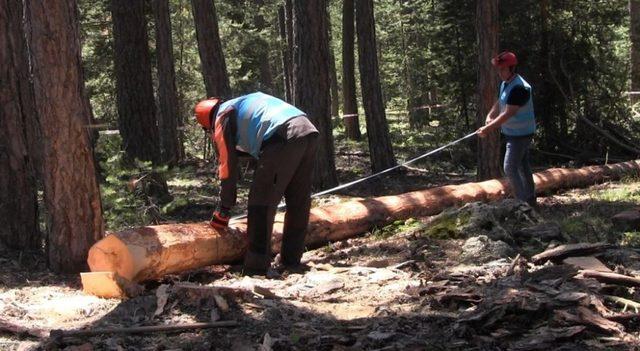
x: 283, y: 141
x: 513, y: 114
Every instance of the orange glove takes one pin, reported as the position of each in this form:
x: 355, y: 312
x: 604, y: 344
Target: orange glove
x: 220, y: 218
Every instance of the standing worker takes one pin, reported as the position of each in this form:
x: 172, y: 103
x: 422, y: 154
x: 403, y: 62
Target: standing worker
x: 283, y: 141
x: 513, y: 113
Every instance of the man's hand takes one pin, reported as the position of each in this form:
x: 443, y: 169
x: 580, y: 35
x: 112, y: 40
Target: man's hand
x: 483, y: 131
x: 220, y: 218
x: 488, y: 119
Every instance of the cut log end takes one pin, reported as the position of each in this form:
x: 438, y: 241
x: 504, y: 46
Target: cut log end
x: 111, y: 255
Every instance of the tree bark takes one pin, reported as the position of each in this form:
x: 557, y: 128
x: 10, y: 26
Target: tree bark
x: 545, y: 94
x: 311, y: 81
x: 136, y: 105
x: 152, y: 252
x: 380, y: 147
x: 288, y: 22
x: 214, y: 69
x: 335, y: 99
x: 286, y: 56
x: 350, y: 102
x: 18, y: 186
x: 634, y: 34
x: 488, y: 152
x: 172, y: 149
x: 72, y: 195
x: 333, y: 75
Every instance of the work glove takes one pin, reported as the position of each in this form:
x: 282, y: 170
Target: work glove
x: 220, y: 218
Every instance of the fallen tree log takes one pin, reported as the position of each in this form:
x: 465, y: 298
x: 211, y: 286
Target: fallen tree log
x: 152, y: 252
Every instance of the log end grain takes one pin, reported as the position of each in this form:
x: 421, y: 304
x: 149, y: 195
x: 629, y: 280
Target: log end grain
x: 111, y: 254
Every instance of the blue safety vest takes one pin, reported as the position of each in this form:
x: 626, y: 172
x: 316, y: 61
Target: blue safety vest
x: 524, y: 121
x: 258, y: 116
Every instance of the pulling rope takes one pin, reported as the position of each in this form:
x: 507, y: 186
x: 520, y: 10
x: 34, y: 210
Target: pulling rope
x: 346, y: 185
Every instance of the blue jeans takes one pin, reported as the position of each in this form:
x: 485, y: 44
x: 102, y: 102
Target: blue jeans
x: 518, y: 169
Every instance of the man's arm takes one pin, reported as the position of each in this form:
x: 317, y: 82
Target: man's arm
x: 494, y: 124
x: 493, y: 113
x: 224, y: 139
x: 517, y: 98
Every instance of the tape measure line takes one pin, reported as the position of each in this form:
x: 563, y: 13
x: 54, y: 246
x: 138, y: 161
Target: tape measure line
x: 346, y: 185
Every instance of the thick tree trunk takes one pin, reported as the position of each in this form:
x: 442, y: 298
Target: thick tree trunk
x: 214, y: 69
x: 286, y: 57
x: 136, y: 105
x: 350, y: 110
x: 377, y: 128
x: 311, y: 81
x: 634, y: 34
x: 172, y: 149
x: 487, y: 31
x: 18, y: 189
x: 71, y: 190
x: 152, y: 252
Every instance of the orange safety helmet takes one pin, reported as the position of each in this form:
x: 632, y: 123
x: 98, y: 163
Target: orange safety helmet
x: 205, y: 110
x: 505, y: 59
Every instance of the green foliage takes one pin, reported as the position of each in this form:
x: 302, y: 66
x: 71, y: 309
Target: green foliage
x: 576, y: 58
x: 427, y: 56
x: 631, y: 239
x: 120, y: 207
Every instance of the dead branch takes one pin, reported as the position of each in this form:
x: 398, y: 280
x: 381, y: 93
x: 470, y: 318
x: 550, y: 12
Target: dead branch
x: 8, y: 326
x: 57, y: 333
x: 608, y: 136
x: 611, y: 278
x: 563, y: 251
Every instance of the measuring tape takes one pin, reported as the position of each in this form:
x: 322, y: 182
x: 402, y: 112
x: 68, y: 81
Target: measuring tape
x: 346, y: 185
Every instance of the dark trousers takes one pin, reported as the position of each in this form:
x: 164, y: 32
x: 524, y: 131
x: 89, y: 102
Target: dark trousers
x: 284, y: 168
x: 518, y: 169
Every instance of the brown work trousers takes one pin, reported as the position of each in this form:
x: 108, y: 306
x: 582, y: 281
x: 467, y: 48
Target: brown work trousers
x: 285, y: 168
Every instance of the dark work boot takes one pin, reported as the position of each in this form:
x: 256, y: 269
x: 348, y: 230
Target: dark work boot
x: 292, y: 247
x: 256, y: 264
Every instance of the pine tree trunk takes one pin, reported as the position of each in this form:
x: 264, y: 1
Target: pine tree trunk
x: 312, y: 82
x: 464, y: 110
x: 333, y: 75
x: 487, y: 31
x: 634, y: 34
x: 136, y: 105
x: 377, y: 128
x: 172, y: 149
x: 214, y: 69
x: 288, y: 21
x: 259, y: 50
x: 350, y: 109
x: 545, y: 93
x: 72, y: 196
x: 286, y: 57
x: 18, y: 186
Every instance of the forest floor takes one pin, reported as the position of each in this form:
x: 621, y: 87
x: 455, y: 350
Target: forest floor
x: 462, y: 280
x: 418, y: 284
